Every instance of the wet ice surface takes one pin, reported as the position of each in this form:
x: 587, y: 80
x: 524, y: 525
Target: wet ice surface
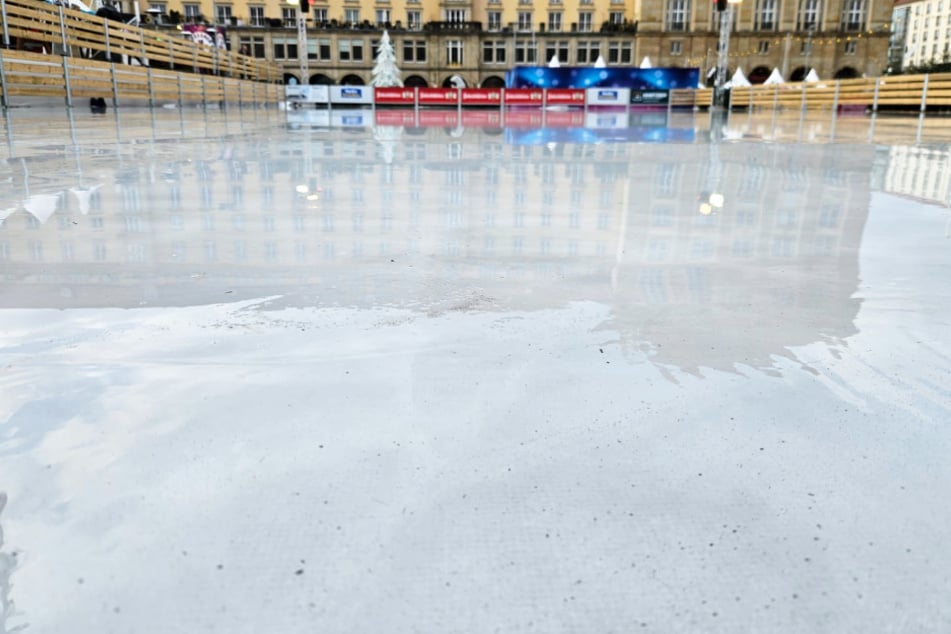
x: 463, y: 380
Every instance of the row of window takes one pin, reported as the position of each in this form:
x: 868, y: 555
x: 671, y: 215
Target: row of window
x: 766, y: 15
x: 493, y: 51
x: 677, y: 17
x: 525, y: 22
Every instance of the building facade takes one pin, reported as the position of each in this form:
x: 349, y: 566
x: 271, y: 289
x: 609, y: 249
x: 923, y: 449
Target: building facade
x: 478, y: 40
x: 921, y: 33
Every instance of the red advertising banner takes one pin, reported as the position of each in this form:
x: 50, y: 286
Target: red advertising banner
x: 564, y: 119
x: 438, y: 96
x: 394, y: 95
x: 397, y: 117
x: 523, y: 118
x: 481, y: 96
x: 481, y: 118
x: 438, y: 118
x: 523, y: 97
x: 564, y: 97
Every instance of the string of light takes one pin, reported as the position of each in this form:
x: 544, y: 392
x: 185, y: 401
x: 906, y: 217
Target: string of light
x: 819, y: 41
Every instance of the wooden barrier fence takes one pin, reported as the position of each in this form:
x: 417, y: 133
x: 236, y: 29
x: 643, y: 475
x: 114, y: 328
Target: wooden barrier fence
x: 72, y: 33
x: 25, y: 74
x: 914, y: 92
x: 689, y: 97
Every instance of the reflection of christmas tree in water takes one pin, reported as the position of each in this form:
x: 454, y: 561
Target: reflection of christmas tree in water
x: 388, y: 136
x: 7, y: 564
x: 385, y: 71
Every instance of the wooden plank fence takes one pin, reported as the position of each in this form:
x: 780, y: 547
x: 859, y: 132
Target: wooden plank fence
x: 910, y: 92
x: 24, y: 74
x: 70, y: 33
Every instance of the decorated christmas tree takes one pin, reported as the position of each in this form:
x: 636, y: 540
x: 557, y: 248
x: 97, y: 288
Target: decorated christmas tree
x: 385, y: 71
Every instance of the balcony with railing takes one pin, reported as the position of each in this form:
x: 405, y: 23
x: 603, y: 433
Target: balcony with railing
x: 453, y: 27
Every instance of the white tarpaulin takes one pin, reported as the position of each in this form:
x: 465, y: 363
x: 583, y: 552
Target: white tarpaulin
x: 646, y: 62
x: 600, y: 63
x: 812, y: 75
x: 553, y: 62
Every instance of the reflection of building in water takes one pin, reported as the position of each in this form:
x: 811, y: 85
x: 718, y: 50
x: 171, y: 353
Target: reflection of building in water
x: 324, y: 220
x: 920, y: 172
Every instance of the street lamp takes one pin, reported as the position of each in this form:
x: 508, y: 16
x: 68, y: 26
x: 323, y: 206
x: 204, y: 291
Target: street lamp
x: 303, y: 6
x: 725, y: 9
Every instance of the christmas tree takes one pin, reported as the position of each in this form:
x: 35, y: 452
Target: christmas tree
x: 385, y: 72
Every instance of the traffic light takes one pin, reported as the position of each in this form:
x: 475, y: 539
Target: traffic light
x: 305, y: 6
x: 721, y: 5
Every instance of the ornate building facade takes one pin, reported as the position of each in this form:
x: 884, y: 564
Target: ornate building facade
x: 478, y: 40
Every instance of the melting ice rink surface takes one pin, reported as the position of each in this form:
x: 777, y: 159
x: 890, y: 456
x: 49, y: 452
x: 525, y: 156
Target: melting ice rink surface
x: 268, y: 372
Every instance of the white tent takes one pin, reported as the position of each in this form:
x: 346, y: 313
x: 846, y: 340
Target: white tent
x: 553, y: 62
x: 600, y: 63
x: 42, y: 206
x: 6, y: 213
x: 739, y: 79
x: 646, y: 62
x: 83, y: 196
x: 774, y: 78
x: 812, y: 75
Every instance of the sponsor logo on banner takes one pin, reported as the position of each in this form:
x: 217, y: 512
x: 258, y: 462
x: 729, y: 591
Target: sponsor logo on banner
x: 649, y: 96
x: 525, y: 96
x: 565, y: 96
x: 351, y: 93
x: 607, y: 95
x: 480, y: 96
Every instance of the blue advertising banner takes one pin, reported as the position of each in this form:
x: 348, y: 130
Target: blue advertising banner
x: 637, y: 79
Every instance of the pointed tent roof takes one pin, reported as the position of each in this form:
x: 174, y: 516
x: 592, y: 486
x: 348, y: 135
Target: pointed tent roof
x: 42, y: 206
x: 600, y: 63
x: 812, y: 75
x: 553, y: 62
x: 775, y: 77
x: 646, y: 62
x: 739, y: 79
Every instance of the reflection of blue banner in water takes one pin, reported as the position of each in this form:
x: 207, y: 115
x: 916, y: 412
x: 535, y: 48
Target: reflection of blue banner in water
x: 543, y: 136
x: 605, y: 128
x: 615, y: 77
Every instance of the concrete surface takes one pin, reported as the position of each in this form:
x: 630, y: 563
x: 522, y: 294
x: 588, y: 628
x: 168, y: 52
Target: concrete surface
x: 298, y: 379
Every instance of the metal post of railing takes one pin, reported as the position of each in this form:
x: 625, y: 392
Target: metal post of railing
x: 751, y: 89
x: 835, y: 97
x: 240, y: 96
x: 105, y: 30
x: 3, y: 84
x: 171, y: 55
x: 194, y: 58
x: 62, y: 29
x: 115, y: 85
x: 6, y: 30
x: 69, y: 90
x: 181, y: 100
x: 878, y: 82
x: 775, y: 97
x: 148, y: 67
x: 802, y: 103
x: 924, y: 93
x: 204, y: 93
